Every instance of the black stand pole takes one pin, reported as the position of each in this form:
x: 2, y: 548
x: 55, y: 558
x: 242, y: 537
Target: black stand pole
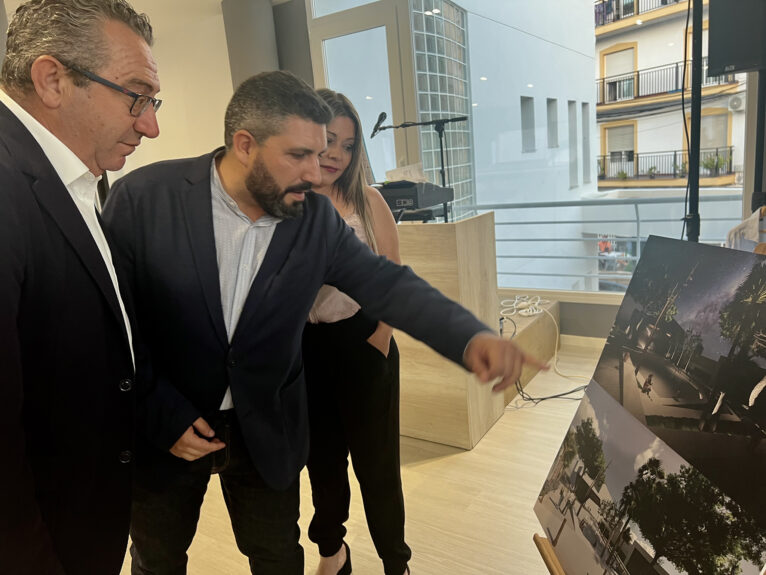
x: 439, y: 127
x: 759, y: 199
x: 693, y: 217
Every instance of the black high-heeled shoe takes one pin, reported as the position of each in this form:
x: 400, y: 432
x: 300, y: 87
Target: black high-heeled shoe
x: 346, y: 569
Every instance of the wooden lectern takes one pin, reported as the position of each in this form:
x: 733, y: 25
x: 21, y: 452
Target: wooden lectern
x: 440, y: 401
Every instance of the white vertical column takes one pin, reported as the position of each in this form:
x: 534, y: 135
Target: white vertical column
x: 3, y: 29
x: 250, y: 38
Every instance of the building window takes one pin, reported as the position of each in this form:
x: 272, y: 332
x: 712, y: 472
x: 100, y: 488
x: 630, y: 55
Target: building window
x: 553, y: 122
x: 325, y: 7
x: 586, y: 143
x: 619, y: 75
x: 527, y: 124
x: 714, y: 131
x: 572, y: 105
x: 620, y: 148
x: 366, y: 87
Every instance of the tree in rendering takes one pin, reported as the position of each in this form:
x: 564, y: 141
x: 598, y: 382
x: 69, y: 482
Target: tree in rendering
x: 743, y: 319
x: 689, y: 521
x: 590, y: 449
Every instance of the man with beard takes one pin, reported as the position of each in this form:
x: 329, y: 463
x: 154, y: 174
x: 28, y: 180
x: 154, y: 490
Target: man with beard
x: 225, y: 255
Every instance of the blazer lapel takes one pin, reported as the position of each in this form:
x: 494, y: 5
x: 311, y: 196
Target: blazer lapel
x: 281, y: 245
x: 55, y: 199
x: 198, y: 212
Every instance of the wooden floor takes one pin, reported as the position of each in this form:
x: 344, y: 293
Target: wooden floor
x: 468, y: 512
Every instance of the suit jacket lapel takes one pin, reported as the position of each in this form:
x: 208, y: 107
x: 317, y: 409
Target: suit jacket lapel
x: 280, y: 247
x: 55, y: 199
x: 198, y: 212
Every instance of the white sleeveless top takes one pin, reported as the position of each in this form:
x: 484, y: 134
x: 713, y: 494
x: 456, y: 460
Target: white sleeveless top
x: 331, y: 304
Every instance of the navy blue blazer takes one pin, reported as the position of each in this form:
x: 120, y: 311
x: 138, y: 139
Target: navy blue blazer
x: 66, y: 392
x: 160, y: 218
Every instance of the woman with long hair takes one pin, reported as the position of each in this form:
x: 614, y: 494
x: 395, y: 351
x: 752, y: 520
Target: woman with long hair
x: 352, y: 374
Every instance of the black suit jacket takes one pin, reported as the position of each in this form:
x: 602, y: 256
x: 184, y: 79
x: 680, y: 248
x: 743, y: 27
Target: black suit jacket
x: 160, y: 218
x: 65, y: 424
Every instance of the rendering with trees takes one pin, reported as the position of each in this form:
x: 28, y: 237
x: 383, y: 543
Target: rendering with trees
x: 619, y: 500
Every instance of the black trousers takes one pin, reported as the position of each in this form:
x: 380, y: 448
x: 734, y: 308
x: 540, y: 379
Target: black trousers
x: 167, y: 501
x: 353, y: 393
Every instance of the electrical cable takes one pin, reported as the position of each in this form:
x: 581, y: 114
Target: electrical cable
x: 502, y: 326
x: 556, y: 353
x: 661, y: 108
x: 524, y: 303
x: 535, y: 400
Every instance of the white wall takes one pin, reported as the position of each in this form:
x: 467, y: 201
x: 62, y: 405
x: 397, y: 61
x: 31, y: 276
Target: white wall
x: 660, y: 133
x: 549, y: 45
x: 191, y: 53
x: 3, y: 28
x: 653, y: 43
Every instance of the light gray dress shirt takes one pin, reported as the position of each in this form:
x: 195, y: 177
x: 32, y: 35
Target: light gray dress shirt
x: 240, y: 246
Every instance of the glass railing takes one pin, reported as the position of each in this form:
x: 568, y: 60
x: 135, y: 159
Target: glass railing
x: 594, y: 244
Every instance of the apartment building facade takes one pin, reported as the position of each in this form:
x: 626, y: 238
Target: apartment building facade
x: 643, y: 66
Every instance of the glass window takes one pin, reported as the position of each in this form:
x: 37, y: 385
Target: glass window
x: 527, y: 124
x: 553, y: 122
x: 325, y: 7
x: 585, y: 143
x: 714, y: 131
x: 492, y: 61
x: 619, y: 138
x: 572, y: 107
x: 353, y: 64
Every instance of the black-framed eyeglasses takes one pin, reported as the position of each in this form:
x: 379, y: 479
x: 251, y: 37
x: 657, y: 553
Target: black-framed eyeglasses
x: 141, y: 102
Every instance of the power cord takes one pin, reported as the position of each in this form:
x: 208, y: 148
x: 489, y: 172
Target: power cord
x: 524, y: 305
x: 532, y: 305
x: 503, y: 319
x: 556, y: 354
x: 535, y: 400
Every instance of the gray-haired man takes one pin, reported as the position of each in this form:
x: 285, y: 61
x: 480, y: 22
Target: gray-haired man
x: 78, y: 85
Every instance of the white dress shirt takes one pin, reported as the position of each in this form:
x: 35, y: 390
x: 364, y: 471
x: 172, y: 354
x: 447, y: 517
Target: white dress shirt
x: 81, y: 185
x: 240, y: 246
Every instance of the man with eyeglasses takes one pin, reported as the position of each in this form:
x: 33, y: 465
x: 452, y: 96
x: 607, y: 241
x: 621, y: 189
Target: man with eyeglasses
x: 77, y: 95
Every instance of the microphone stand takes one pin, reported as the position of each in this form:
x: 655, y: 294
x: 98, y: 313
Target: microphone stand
x: 439, y: 127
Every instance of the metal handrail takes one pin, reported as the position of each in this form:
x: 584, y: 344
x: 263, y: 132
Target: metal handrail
x: 628, y: 165
x: 608, y: 11
x: 665, y: 79
x: 594, y: 202
x: 633, y: 235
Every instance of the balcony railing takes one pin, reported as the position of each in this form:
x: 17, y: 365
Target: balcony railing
x: 591, y: 244
x: 627, y: 165
x: 608, y: 11
x: 653, y: 81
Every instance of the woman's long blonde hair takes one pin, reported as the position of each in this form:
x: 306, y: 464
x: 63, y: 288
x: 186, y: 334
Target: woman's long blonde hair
x: 352, y: 182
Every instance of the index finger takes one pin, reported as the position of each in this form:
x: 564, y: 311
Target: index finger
x: 534, y: 362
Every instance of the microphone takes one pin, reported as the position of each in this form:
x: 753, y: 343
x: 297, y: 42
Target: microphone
x: 376, y: 129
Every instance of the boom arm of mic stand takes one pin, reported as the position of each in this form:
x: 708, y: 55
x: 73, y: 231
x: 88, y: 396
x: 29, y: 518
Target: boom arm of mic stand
x: 439, y: 127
